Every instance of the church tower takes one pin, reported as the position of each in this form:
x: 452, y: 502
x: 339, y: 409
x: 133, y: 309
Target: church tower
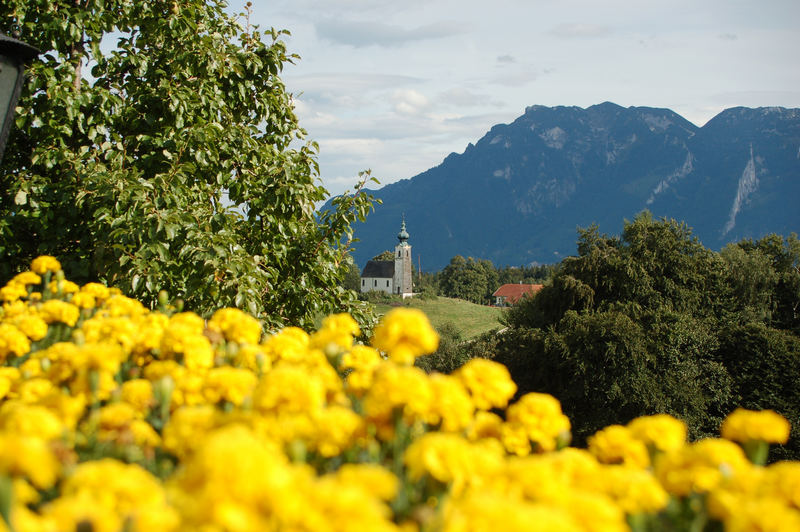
x: 402, y: 264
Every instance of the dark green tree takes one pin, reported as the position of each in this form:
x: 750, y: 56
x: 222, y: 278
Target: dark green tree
x: 177, y: 164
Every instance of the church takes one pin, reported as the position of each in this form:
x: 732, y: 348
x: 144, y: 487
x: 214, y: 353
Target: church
x: 391, y: 276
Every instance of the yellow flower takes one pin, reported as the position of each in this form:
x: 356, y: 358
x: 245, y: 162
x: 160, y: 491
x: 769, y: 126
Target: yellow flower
x: 12, y: 292
x: 335, y: 429
x: 748, y: 425
x: 452, y: 407
x: 55, y: 310
x: 615, y: 444
x: 290, y: 344
x: 661, y: 431
x: 28, y: 456
x: 453, y: 460
x: 700, y: 466
x: 33, y: 326
x: 376, y: 479
x: 634, y: 490
x: 337, y: 332
x: 229, y: 384
x: 235, y: 326
x: 540, y: 415
x: 289, y: 388
x: 44, y: 264
x: 488, y: 382
x: 139, y: 394
x: 12, y: 341
x: 404, y: 334
x: 26, y: 278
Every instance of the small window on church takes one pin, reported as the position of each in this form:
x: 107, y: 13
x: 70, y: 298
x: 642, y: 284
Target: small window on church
x: 387, y: 283
x: 363, y: 282
x: 398, y: 254
x: 376, y: 283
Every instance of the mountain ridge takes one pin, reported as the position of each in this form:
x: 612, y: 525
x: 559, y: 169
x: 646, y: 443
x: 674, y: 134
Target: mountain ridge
x: 517, y: 195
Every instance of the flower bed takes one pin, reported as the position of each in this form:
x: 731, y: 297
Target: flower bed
x: 114, y: 417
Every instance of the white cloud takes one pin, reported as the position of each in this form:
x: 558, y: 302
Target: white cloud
x: 359, y: 34
x: 581, y: 31
x: 410, y: 102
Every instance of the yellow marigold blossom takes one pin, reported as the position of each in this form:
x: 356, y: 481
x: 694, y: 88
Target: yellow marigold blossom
x: 55, y: 310
x: 232, y: 469
x: 485, y: 425
x: 26, y: 278
x: 700, y: 466
x: 8, y: 376
x: 376, y: 479
x: 722, y: 502
x: 290, y: 344
x: 28, y: 456
x: 96, y: 290
x: 336, y: 506
x: 748, y: 425
x: 480, y: 511
x: 595, y: 512
x: 139, y: 394
x: 289, y: 388
x: 33, y: 388
x: 118, y: 305
x: 68, y: 408
x: 12, y: 310
x: 488, y: 382
x: 33, y: 326
x: 44, y: 264
x: 13, y: 292
x: 186, y: 427
x: 515, y: 439
x: 127, y: 491
x: 197, y: 352
x: 404, y: 389
x: 615, y: 444
x: 404, y: 334
x: 252, y: 357
x: 13, y: 342
x: 452, y: 407
x: 661, y: 431
x: 453, y: 460
x: 62, y: 286
x: 82, y: 510
x: 540, y: 414
x: 634, y: 490
x: 121, y: 330
x: 83, y: 300
x: 762, y: 515
x: 782, y: 481
x: 235, y: 326
x: 183, y: 336
x: 229, y: 384
x: 30, y: 420
x: 335, y: 429
x: 337, y: 330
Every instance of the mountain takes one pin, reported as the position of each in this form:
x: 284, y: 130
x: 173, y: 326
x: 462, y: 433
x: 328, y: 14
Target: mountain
x: 517, y: 195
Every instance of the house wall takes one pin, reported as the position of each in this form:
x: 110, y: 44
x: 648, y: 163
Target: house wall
x: 379, y: 284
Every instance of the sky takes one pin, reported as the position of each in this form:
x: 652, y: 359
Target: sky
x: 396, y: 86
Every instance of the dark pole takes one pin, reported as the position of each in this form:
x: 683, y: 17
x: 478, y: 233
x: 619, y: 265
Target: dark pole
x: 13, y: 56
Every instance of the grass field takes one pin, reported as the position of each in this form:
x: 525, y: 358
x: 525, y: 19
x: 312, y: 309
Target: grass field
x: 470, y: 319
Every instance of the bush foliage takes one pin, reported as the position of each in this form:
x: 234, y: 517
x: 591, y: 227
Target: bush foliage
x: 175, y: 163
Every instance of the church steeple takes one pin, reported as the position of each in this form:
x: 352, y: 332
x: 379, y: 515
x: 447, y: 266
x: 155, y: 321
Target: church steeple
x: 402, y: 236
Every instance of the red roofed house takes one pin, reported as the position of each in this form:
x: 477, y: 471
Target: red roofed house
x: 508, y: 294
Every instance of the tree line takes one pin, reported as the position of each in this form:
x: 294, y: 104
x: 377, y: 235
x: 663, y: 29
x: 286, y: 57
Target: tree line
x: 652, y: 321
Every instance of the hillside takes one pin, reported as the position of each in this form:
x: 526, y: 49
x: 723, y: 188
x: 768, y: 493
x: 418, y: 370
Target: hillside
x: 517, y: 195
x: 469, y: 319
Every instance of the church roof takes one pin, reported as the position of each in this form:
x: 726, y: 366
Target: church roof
x: 379, y: 268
